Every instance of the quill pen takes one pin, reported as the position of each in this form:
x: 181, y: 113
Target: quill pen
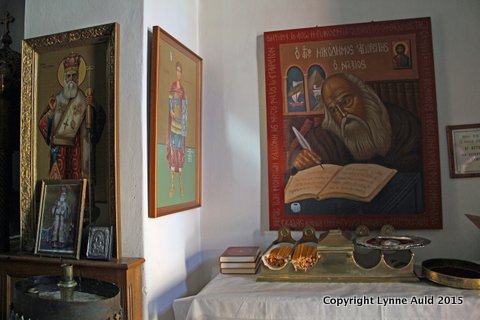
x: 302, y: 141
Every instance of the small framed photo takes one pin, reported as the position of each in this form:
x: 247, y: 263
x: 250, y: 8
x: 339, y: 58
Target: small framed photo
x: 99, y: 245
x: 464, y: 150
x: 60, y: 218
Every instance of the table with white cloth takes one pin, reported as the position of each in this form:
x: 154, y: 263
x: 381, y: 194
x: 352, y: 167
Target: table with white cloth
x: 242, y: 297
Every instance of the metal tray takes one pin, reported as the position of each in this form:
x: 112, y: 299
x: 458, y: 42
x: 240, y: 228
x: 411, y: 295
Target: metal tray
x: 452, y: 273
x: 388, y: 242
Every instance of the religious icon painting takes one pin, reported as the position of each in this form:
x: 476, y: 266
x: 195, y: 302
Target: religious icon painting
x: 68, y: 121
x: 352, y: 131
x: 401, y: 54
x: 99, y: 246
x: 175, y: 126
x: 60, y: 219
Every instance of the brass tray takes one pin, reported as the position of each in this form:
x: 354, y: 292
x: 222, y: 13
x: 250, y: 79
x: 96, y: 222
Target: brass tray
x: 390, y: 242
x: 337, y: 260
x: 452, y: 273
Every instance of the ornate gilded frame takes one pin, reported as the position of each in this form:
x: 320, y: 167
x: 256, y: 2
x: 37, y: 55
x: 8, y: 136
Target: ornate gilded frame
x: 41, y: 60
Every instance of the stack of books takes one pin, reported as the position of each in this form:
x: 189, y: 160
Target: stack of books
x: 240, y: 260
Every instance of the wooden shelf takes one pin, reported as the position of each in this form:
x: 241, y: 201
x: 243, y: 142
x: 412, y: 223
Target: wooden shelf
x: 125, y: 272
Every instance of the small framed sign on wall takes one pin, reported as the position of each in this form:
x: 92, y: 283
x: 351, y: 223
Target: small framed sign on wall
x: 464, y: 150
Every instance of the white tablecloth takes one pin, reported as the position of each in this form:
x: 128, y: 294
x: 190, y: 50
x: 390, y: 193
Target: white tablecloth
x: 241, y: 297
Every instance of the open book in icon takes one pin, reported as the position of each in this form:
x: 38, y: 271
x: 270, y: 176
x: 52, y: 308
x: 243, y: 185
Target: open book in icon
x: 356, y: 181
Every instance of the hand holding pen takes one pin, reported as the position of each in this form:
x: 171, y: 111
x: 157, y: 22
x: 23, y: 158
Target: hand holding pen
x: 306, y: 158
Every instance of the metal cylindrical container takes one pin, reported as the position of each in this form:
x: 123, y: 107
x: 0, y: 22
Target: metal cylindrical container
x: 44, y: 297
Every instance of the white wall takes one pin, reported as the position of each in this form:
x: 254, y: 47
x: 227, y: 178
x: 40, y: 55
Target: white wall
x: 231, y: 44
x: 172, y: 243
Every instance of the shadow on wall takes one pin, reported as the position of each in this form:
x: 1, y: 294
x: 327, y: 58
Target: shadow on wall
x: 160, y: 307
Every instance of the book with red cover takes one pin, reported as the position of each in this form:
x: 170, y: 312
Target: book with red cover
x: 240, y: 254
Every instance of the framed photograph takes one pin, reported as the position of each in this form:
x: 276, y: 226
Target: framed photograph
x: 352, y: 130
x: 60, y: 218
x: 99, y: 242
x: 175, y: 146
x: 464, y: 150
x: 69, y: 122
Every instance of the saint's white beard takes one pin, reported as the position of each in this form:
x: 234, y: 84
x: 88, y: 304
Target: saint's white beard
x: 70, y: 90
x: 364, y: 139
x: 359, y: 139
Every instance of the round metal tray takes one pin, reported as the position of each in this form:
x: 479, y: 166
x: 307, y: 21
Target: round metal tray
x: 391, y: 242
x: 452, y: 273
